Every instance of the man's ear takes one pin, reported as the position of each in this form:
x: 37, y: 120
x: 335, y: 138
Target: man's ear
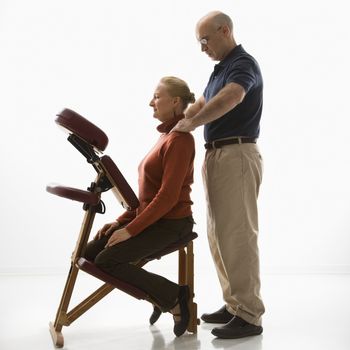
x: 226, y: 30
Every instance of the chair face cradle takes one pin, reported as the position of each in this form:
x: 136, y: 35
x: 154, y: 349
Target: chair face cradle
x: 77, y: 125
x: 91, y: 141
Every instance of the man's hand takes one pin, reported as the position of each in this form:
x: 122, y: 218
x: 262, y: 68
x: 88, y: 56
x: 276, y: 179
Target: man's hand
x: 184, y: 125
x: 117, y: 237
x: 106, y: 229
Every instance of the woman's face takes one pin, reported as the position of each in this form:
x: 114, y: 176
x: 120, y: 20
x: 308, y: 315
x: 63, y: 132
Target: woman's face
x: 163, y: 104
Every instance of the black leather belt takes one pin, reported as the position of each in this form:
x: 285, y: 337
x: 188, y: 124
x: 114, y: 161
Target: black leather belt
x: 219, y: 143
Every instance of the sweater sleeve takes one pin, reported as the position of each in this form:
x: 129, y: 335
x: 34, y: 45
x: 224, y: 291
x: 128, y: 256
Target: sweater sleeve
x: 178, y: 155
x: 127, y: 216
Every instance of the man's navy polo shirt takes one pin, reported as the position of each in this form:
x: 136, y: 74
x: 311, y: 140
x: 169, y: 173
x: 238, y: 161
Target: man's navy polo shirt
x: 243, y: 120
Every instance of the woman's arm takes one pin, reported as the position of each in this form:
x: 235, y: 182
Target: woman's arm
x: 178, y: 155
x: 127, y: 216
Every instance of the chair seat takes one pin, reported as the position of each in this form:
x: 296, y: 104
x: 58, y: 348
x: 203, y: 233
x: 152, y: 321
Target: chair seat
x: 173, y: 247
x: 74, y: 194
x: 83, y: 128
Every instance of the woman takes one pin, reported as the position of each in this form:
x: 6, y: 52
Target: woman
x: 164, y: 215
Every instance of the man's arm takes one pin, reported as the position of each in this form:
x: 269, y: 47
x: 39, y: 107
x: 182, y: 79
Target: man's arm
x: 195, y: 108
x: 227, y: 98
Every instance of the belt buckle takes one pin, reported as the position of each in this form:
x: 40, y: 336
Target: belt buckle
x: 213, y: 144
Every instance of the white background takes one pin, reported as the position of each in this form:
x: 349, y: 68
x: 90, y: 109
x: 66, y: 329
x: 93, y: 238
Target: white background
x: 103, y: 60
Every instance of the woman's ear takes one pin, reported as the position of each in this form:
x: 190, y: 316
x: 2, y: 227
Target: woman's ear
x: 176, y: 100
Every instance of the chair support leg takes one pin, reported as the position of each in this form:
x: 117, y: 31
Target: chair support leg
x: 194, y: 321
x: 182, y: 267
x: 89, y: 302
x: 186, y: 276
x: 56, y: 336
x: 61, y: 315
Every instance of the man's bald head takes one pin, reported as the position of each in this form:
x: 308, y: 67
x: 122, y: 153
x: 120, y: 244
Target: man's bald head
x: 214, y: 32
x: 216, y: 19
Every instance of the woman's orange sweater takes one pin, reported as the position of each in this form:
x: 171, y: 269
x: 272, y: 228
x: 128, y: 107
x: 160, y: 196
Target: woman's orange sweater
x: 165, y: 178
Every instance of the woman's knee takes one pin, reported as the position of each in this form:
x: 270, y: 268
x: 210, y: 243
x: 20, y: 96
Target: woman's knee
x: 91, y: 251
x: 106, y: 260
x: 95, y: 247
x: 102, y: 260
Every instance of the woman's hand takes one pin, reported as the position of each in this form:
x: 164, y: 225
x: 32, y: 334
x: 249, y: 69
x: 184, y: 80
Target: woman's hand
x: 106, y: 229
x: 117, y: 237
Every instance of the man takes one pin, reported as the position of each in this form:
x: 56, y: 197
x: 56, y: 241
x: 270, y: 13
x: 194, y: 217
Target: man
x: 230, y: 110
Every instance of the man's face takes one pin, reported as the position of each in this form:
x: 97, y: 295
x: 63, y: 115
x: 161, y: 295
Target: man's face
x: 210, y: 38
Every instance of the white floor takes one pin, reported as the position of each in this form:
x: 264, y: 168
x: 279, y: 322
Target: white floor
x: 302, y: 312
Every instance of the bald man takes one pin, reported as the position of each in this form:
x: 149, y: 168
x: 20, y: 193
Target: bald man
x: 230, y: 110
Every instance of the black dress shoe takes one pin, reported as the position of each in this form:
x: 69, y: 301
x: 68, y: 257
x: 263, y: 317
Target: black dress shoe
x: 220, y: 316
x: 155, y: 315
x: 237, y: 328
x: 181, y: 320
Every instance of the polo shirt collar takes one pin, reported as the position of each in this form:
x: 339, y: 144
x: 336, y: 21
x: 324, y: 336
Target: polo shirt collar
x: 165, y: 127
x: 234, y: 52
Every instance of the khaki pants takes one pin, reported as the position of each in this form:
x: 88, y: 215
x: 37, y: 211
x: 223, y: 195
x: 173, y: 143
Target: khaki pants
x: 232, y: 176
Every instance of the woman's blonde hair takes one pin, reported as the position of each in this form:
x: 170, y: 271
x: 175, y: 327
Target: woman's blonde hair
x: 179, y: 88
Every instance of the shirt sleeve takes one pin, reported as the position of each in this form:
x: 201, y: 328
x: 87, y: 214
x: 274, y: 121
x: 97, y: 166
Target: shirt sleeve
x: 243, y: 74
x: 127, y: 217
x: 178, y: 155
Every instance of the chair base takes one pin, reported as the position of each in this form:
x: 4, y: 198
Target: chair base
x: 65, y: 317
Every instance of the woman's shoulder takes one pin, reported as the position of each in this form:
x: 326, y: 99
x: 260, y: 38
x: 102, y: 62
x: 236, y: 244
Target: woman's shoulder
x: 180, y: 140
x: 180, y: 136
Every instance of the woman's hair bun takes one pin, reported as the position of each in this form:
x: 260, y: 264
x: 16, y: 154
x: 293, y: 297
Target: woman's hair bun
x: 191, y: 98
